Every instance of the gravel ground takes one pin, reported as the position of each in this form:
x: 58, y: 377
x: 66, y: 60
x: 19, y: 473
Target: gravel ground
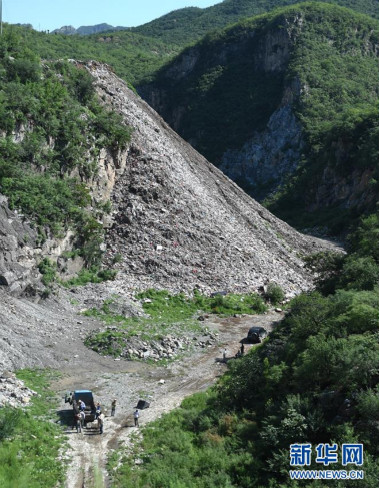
x: 129, y: 381
x: 51, y: 333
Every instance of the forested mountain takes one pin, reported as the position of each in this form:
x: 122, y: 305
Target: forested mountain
x: 133, y: 57
x: 286, y: 104
x: 137, y: 53
x: 189, y: 24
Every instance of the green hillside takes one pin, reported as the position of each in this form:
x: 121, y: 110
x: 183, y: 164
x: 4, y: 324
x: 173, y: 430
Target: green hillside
x: 189, y: 24
x: 132, y: 56
x: 314, y: 380
x: 136, y: 54
x: 52, y: 130
x: 231, y: 90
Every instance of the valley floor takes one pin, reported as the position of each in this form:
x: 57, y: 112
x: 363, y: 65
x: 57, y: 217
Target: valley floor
x: 130, y: 381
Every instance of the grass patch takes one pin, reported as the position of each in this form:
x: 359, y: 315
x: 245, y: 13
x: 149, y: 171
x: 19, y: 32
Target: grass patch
x: 30, y: 444
x: 180, y: 306
x: 92, y: 275
x: 169, y: 315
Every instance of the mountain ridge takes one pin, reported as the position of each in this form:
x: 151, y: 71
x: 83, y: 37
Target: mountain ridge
x: 242, y: 97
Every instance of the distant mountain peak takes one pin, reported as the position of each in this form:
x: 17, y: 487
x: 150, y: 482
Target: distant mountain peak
x: 86, y: 30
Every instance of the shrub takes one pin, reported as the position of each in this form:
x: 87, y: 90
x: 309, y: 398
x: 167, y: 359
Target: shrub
x: 274, y: 293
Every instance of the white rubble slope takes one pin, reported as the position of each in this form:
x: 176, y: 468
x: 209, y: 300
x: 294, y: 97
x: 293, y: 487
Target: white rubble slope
x: 180, y: 223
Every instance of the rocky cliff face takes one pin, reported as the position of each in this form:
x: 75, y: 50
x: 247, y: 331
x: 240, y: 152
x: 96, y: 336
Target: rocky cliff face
x: 252, y: 98
x: 264, y: 157
x: 180, y: 223
x: 269, y: 157
x: 22, y: 249
x: 18, y: 243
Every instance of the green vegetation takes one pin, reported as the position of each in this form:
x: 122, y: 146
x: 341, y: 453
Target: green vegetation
x: 132, y: 56
x: 169, y: 314
x: 61, y: 127
x: 227, y: 96
x: 175, y: 307
x: 186, y: 25
x: 315, y: 379
x: 92, y: 275
x: 29, y: 441
x: 136, y: 54
x: 339, y: 114
x: 274, y: 294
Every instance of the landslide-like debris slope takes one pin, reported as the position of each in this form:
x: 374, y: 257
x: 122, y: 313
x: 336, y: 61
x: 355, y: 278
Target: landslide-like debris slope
x: 180, y: 223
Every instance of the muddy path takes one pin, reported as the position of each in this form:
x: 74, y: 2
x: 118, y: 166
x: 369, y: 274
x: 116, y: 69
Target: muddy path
x: 164, y: 387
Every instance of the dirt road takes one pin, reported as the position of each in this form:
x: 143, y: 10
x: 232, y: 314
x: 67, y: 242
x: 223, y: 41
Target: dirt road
x: 130, y: 381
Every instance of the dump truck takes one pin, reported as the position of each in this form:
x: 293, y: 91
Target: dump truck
x: 86, y: 396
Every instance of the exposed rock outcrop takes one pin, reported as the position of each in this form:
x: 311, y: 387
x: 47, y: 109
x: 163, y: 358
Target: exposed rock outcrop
x: 18, y: 242
x: 13, y: 391
x: 264, y: 162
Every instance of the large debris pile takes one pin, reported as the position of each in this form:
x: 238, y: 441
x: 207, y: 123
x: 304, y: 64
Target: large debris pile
x: 179, y: 223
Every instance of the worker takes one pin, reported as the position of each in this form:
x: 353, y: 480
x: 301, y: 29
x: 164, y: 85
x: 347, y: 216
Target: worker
x: 136, y: 417
x: 100, y: 423
x: 113, y: 407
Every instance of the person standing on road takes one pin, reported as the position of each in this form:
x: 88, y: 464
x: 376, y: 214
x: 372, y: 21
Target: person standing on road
x: 78, y: 423
x: 98, y: 410
x: 100, y: 421
x: 82, y: 416
x: 224, y: 356
x: 113, y: 407
x: 136, y: 417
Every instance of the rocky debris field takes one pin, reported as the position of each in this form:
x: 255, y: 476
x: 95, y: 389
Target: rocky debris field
x: 179, y: 223
x: 134, y: 347
x: 13, y: 391
x: 163, y: 386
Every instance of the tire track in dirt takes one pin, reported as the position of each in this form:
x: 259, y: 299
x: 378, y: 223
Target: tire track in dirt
x: 88, y: 452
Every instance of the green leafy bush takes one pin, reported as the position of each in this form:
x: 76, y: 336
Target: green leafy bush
x: 29, y: 442
x: 274, y: 293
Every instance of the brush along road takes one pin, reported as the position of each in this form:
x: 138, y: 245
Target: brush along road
x: 163, y: 387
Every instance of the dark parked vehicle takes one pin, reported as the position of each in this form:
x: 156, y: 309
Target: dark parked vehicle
x: 87, y: 397
x: 256, y: 334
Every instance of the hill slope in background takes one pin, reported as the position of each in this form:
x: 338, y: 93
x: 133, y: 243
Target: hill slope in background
x: 186, y: 25
x: 177, y: 221
x: 86, y: 30
x: 136, y: 54
x: 180, y: 223
x: 278, y: 102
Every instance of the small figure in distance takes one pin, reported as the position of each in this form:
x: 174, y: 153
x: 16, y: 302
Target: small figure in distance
x: 100, y: 422
x: 224, y: 356
x: 136, y: 417
x: 82, y: 418
x: 242, y: 349
x: 113, y: 407
x: 98, y: 410
x: 78, y: 423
